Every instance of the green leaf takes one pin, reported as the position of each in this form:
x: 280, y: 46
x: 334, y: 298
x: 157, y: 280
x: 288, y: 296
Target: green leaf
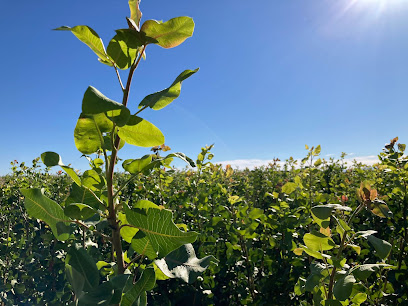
x: 170, y: 33
x: 382, y: 247
x: 359, y: 298
x: 316, y: 151
x: 157, y: 225
x: 88, y: 132
x: 183, y: 263
x: 321, y: 213
x: 134, y: 166
x: 255, y: 213
x: 100, y: 295
x: 124, y: 47
x: 92, y: 180
x: 145, y: 283
x: 118, y: 283
x: 380, y: 208
x: 325, y: 211
x: 318, y: 242
x: 94, y: 102
x: 164, y: 97
x: 81, y: 195
x: 289, y: 187
x: 362, y: 272
x: 81, y: 261
x: 343, y: 287
x: 312, y: 253
x: 51, y: 159
x: 140, y: 132
x: 89, y: 37
x: 135, y: 13
x: 40, y: 207
x: 126, y: 232
x: 75, y: 279
x: 79, y: 211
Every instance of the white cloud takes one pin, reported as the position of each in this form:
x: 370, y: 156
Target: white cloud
x: 253, y: 163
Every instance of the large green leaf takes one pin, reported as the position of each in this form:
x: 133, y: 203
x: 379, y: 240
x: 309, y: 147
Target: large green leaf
x: 164, y: 97
x: 135, y: 166
x: 89, y: 37
x: 382, y: 247
x: 100, y: 295
x: 362, y: 272
x: 170, y: 33
x: 183, y: 263
x: 82, y: 262
x: 157, y: 225
x: 75, y: 279
x: 88, y: 132
x: 343, y: 287
x: 318, y: 242
x: 40, y: 207
x: 141, y: 133
x: 81, y: 195
x: 145, y: 283
x: 94, y: 102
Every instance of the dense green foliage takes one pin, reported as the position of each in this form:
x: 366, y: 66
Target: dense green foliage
x: 253, y: 221
x: 144, y: 235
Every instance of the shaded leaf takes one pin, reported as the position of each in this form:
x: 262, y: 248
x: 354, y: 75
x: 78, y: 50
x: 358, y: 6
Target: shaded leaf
x: 343, y: 287
x: 362, y: 272
x: 380, y: 208
x: 81, y: 261
x: 79, y: 211
x: 382, y: 247
x: 145, y: 283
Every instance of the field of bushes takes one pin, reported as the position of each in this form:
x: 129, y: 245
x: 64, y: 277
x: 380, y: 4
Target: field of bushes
x: 303, y: 232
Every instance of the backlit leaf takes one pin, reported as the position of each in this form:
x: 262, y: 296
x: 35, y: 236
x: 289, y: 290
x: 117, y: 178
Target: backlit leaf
x: 170, y: 33
x: 141, y: 133
x: 94, y: 102
x: 164, y: 97
x: 318, y: 242
x: 89, y: 37
x: 40, y: 207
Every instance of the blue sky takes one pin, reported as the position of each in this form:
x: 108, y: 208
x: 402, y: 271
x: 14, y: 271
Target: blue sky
x: 274, y: 76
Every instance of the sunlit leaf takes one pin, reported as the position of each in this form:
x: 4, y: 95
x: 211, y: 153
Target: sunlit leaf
x: 183, y: 263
